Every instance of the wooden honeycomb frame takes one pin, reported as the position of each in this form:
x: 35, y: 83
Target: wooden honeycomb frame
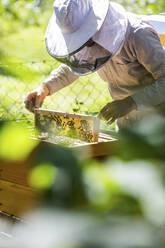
x: 71, y: 125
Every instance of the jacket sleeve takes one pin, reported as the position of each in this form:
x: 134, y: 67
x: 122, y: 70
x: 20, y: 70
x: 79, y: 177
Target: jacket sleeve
x: 151, y: 54
x: 60, y: 78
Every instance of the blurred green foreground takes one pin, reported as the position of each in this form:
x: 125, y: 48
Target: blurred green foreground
x: 116, y: 203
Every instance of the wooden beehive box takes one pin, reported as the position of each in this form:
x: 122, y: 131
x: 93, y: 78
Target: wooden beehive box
x: 79, y: 132
x: 16, y: 196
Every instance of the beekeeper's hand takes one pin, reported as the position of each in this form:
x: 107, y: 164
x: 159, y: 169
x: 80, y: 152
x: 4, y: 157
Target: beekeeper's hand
x: 35, y: 98
x: 116, y: 109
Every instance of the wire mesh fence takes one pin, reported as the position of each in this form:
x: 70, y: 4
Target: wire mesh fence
x: 86, y: 95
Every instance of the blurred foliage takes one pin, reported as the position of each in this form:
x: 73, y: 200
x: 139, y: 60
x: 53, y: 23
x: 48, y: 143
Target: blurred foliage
x: 42, y: 176
x: 15, y: 142
x: 117, y: 202
x: 144, y: 6
x: 149, y: 136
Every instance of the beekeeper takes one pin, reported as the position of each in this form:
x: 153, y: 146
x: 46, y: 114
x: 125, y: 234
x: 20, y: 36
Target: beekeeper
x: 98, y: 35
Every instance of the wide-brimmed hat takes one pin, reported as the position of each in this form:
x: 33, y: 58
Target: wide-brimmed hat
x: 73, y: 23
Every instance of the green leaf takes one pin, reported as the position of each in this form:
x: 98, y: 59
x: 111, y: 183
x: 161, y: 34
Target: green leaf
x: 43, y: 176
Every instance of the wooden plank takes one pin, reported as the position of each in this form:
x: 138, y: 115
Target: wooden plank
x: 98, y: 149
x: 16, y: 199
x: 79, y: 126
x: 105, y: 146
x: 15, y: 172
